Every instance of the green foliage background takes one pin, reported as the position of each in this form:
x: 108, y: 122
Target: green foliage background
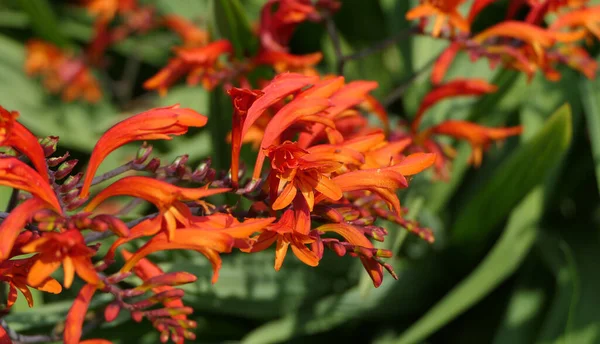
x: 517, y: 241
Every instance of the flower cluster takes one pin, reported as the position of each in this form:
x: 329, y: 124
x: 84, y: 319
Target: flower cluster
x: 534, y: 43
x: 328, y: 173
x: 323, y: 174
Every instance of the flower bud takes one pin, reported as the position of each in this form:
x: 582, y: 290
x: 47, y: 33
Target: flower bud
x: 53, y: 162
x: 70, y: 182
x: 153, y: 165
x: 111, y: 312
x: 49, y: 144
x: 65, y: 169
x: 143, y: 153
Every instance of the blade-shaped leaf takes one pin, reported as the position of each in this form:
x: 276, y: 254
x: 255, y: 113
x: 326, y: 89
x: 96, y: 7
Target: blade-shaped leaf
x: 514, y: 178
x: 590, y: 89
x: 504, y: 258
x: 232, y: 24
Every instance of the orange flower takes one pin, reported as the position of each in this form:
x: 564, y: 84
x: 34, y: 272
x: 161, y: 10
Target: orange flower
x: 13, y: 224
x: 14, y: 134
x: 585, y: 20
x: 444, y: 10
x: 154, y: 124
x: 199, y: 62
x: 67, y: 248
x: 166, y: 197
x: 279, y: 19
x: 443, y: 62
x: 76, y: 315
x: 175, y: 69
x: 286, y: 232
x: 382, y: 181
x: 286, y: 62
x: 478, y: 136
x: 362, y: 247
x: 578, y: 59
x: 300, y: 109
x: 18, y: 175
x: 458, y: 87
x: 226, y: 223
x: 107, y: 9
x: 343, y: 98
x: 61, y: 73
x: 191, y: 35
x: 242, y: 99
x: 282, y: 86
x: 14, y: 273
x: 292, y: 172
x: 209, y: 243
x: 146, y: 270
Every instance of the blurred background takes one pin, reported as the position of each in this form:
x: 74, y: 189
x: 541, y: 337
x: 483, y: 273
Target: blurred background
x: 517, y: 240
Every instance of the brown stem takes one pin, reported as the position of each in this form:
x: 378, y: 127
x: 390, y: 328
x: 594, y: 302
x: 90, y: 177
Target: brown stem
x: 337, y: 47
x: 386, y: 43
x: 399, y: 91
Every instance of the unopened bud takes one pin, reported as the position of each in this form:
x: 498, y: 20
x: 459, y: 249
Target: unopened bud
x: 112, y: 311
x: 137, y: 316
x: 70, y: 196
x: 65, y: 169
x: 164, y: 336
x: 175, y: 167
x: 143, y: 153
x: 44, y: 215
x: 49, y: 144
x: 153, y: 165
x: 76, y: 202
x: 114, y: 224
x: 53, y: 162
x: 70, y: 182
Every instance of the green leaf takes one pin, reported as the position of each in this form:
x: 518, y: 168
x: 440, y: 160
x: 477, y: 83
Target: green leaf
x: 513, y: 179
x: 504, y: 258
x: 219, y: 125
x: 590, y: 89
x: 232, y: 24
x: 47, y: 315
x: 249, y: 287
x: 44, y: 21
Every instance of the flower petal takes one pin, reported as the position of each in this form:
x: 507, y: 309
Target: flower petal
x: 458, y: 87
x: 76, y: 315
x: 281, y: 86
x: 161, y: 194
x: 414, y: 163
x: 13, y: 224
x: 17, y: 174
x: 155, y: 124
